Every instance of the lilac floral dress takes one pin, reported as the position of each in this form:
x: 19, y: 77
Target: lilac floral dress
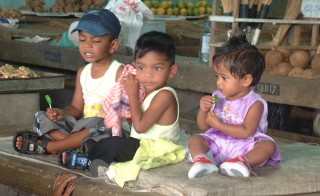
x: 224, y: 147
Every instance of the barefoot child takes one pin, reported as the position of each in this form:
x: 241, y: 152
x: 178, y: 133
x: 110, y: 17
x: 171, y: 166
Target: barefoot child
x: 234, y: 119
x: 66, y: 128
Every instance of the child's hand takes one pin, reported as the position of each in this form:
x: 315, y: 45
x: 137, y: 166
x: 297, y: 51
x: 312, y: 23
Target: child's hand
x: 206, y: 103
x: 54, y: 114
x: 131, y: 85
x: 63, y: 185
x: 212, y: 119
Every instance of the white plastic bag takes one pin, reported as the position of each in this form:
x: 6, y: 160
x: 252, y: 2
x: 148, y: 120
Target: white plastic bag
x: 11, y: 23
x: 131, y: 14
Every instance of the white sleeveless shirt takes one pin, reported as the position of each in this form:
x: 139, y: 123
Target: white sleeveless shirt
x: 171, y: 132
x: 95, y: 91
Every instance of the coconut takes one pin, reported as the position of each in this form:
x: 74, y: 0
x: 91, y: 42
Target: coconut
x: 315, y: 64
x: 285, y: 53
x: 308, y: 74
x: 296, y: 72
x: 299, y: 58
x: 273, y: 58
x: 284, y: 68
x: 99, y: 3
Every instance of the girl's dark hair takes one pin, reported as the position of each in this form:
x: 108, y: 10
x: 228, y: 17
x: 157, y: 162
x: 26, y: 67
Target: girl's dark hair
x: 157, y: 42
x: 240, y: 58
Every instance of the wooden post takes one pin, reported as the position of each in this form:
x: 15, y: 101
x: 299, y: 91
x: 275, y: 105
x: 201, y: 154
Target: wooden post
x: 213, y: 28
x: 314, y: 38
x: 296, y: 37
x: 235, y: 14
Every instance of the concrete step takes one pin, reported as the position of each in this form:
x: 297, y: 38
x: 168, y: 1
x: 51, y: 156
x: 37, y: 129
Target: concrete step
x: 35, y: 174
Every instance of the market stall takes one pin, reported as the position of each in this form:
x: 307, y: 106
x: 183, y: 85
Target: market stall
x: 186, y: 29
x: 195, y: 79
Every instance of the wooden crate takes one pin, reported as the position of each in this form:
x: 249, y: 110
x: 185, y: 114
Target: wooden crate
x: 283, y: 90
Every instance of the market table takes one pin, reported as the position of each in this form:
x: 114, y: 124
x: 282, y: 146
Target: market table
x: 20, y: 97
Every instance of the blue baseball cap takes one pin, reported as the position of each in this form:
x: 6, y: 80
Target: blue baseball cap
x: 99, y: 22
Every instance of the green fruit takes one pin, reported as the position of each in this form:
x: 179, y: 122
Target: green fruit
x: 196, y: 12
x: 190, y: 12
x: 176, y: 11
x: 155, y: 4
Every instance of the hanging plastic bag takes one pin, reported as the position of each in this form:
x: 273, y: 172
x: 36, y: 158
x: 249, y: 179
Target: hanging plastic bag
x: 131, y: 14
x: 11, y: 23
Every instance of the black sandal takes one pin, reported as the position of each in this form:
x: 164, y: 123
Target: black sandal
x: 29, y: 143
x: 74, y: 159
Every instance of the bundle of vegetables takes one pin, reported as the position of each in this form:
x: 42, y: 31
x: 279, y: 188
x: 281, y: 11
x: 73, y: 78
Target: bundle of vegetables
x: 77, y: 5
x: 10, y: 13
x: 8, y: 71
x: 294, y: 63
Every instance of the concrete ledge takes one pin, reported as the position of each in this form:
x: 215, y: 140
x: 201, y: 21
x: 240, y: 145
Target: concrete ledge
x: 38, y: 179
x: 298, y: 175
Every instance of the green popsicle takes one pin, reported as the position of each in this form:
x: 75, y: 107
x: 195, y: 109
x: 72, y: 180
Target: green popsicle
x: 48, y: 99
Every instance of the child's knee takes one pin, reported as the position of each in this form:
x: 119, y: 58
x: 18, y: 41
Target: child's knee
x: 268, y: 146
x: 194, y: 139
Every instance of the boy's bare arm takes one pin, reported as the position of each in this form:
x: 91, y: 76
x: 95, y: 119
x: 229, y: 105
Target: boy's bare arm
x: 119, y: 72
x: 76, y: 107
x: 77, y: 104
x: 162, y: 110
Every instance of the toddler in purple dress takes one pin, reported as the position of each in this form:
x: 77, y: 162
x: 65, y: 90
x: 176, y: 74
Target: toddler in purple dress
x: 233, y: 120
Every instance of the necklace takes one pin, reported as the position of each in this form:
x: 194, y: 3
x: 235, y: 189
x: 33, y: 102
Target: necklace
x: 100, y: 81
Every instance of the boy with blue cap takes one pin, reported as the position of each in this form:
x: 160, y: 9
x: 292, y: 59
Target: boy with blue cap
x: 58, y: 129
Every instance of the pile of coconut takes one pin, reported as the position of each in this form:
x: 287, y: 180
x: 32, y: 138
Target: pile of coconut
x: 294, y: 63
x: 64, y: 5
x: 77, y: 5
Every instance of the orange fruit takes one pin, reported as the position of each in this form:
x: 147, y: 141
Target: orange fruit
x: 164, y: 4
x: 181, y: 4
x: 190, y: 5
x: 209, y: 10
x: 202, y: 10
x: 183, y: 12
x: 161, y: 11
x: 170, y: 11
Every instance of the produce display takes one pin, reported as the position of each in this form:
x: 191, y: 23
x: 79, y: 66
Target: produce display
x: 181, y: 8
x: 294, y: 63
x: 35, y: 5
x: 158, y: 7
x: 10, y: 13
x: 64, y: 6
x: 8, y: 71
x: 76, y: 5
